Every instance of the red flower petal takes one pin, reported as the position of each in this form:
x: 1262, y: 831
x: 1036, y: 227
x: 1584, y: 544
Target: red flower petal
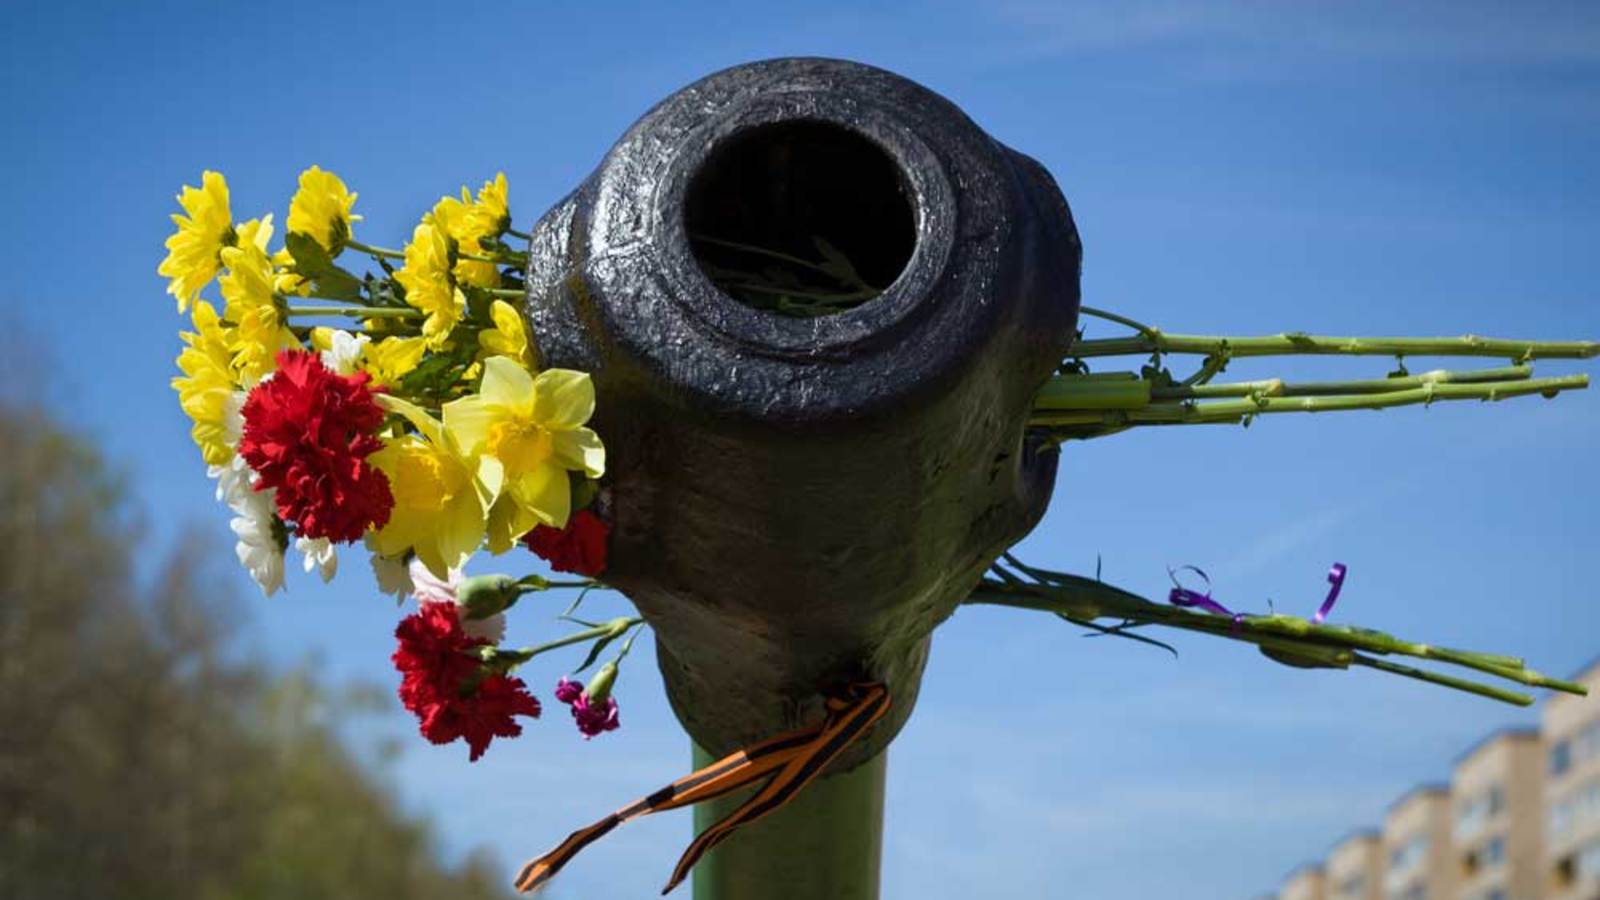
x: 580, y: 547
x: 308, y: 432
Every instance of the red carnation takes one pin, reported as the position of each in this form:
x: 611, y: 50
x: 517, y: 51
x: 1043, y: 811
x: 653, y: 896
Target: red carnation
x: 580, y: 547
x: 308, y: 432
x: 440, y: 682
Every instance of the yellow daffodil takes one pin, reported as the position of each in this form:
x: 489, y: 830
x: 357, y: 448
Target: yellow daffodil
x: 320, y: 209
x: 428, y: 283
x: 491, y: 215
x: 194, y: 250
x: 441, y: 499
x: 508, y: 337
x: 528, y: 431
x: 207, y: 384
x: 258, y: 331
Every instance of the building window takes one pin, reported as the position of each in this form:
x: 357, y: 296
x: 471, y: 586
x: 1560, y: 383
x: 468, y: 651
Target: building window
x: 1587, y: 743
x: 1352, y: 888
x: 1491, y: 854
x: 1494, y: 852
x: 1408, y: 854
x: 1582, y: 866
x: 1588, y: 862
x: 1475, y: 811
x: 1561, y: 815
x: 1560, y: 757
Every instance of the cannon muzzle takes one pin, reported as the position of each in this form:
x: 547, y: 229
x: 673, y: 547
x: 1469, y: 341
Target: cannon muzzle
x: 801, y: 493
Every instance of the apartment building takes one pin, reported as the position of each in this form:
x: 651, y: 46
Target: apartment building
x: 1571, y: 728
x: 1355, y: 867
x: 1498, y: 803
x: 1305, y: 883
x: 1419, y: 862
x: 1520, y: 820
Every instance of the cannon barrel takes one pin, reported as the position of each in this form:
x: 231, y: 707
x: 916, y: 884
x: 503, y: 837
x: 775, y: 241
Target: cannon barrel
x: 798, y: 501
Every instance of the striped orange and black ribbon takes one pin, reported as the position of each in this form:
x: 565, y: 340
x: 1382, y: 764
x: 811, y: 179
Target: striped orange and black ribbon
x: 796, y: 757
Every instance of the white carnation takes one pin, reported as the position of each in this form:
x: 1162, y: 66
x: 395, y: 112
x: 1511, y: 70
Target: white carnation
x: 344, y: 356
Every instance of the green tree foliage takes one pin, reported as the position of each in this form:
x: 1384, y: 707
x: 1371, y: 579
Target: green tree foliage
x: 136, y: 760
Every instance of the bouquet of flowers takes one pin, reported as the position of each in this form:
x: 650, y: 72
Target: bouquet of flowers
x: 423, y: 433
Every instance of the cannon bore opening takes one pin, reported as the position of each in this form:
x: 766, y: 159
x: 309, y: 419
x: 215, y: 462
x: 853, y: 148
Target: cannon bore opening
x: 800, y: 219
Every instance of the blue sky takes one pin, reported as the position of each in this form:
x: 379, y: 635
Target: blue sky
x: 1233, y: 167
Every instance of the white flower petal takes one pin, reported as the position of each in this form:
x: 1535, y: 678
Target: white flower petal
x: 319, y: 555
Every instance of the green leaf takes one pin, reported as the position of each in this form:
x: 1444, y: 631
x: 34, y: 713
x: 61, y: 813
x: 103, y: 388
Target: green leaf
x: 312, y: 261
x: 595, y: 650
x: 837, y: 264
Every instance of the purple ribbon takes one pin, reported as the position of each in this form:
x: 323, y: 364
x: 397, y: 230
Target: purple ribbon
x: 1185, y: 597
x: 1182, y: 596
x: 1336, y: 580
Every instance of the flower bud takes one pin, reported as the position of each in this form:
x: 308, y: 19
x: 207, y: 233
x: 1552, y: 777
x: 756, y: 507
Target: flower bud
x: 599, y: 687
x: 482, y: 596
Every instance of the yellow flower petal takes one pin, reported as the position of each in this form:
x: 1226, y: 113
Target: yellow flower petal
x: 508, y: 337
x: 580, y: 450
x: 320, y: 209
x: 193, y: 251
x: 563, y: 398
x: 505, y: 383
x: 468, y: 421
x: 546, y: 493
x: 508, y: 522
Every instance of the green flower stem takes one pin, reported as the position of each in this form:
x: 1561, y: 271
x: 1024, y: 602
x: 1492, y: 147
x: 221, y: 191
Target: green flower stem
x: 1120, y: 320
x: 519, y: 234
x: 497, y: 260
x: 1284, y: 638
x: 356, y: 312
x: 541, y: 583
x: 508, y: 293
x: 1125, y: 390
x: 375, y: 251
x: 1277, y: 387
x: 1239, y: 410
x: 822, y: 299
x: 1296, y: 343
x: 513, y: 658
x: 1460, y: 684
x: 763, y: 251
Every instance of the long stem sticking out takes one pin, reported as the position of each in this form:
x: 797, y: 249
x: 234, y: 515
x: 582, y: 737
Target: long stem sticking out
x: 1154, y: 340
x: 1286, y: 639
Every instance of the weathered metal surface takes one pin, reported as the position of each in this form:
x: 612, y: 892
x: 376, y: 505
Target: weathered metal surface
x: 798, y: 502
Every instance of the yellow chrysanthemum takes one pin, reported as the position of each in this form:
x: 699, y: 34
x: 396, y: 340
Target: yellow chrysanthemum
x: 528, y: 432
x: 441, y: 501
x: 207, y: 384
x: 320, y: 209
x: 392, y: 358
x: 455, y: 217
x: 491, y: 215
x: 508, y: 337
x: 194, y: 250
x: 285, y: 281
x: 258, y: 331
x: 428, y: 283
